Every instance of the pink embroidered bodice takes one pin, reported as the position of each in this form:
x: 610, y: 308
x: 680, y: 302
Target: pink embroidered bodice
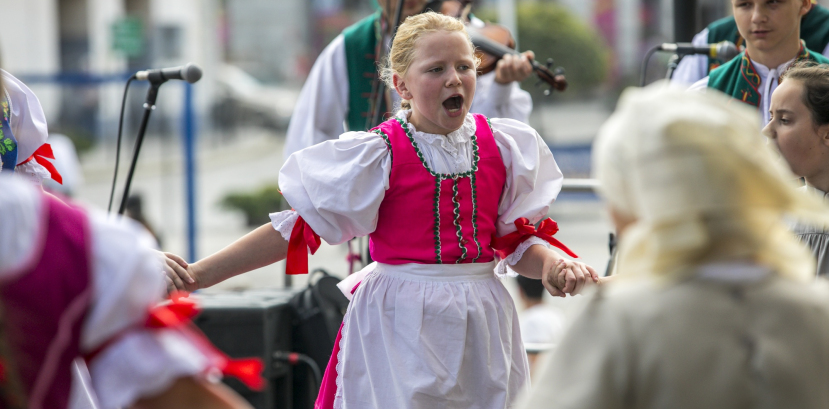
x: 44, y: 307
x: 432, y: 218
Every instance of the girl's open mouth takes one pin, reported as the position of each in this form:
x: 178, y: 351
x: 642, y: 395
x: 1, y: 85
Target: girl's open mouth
x: 453, y: 104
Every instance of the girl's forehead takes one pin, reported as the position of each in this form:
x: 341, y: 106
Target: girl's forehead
x: 434, y: 42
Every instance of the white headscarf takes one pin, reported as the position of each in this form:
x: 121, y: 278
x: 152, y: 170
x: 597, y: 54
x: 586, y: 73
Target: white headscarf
x: 28, y: 122
x: 28, y: 125
x: 695, y: 172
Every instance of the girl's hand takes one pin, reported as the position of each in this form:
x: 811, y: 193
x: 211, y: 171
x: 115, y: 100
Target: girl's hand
x: 567, y: 277
x: 180, y: 276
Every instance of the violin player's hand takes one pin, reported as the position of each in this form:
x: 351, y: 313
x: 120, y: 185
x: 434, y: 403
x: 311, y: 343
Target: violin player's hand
x: 514, y: 67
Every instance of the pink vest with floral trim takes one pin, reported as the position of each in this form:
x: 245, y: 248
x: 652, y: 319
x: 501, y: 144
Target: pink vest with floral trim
x: 432, y: 218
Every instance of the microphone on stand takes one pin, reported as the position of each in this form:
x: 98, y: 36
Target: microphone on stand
x: 190, y: 73
x: 724, y: 50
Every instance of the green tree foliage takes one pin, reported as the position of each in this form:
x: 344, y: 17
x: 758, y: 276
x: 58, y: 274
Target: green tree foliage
x: 551, y: 31
x: 256, y: 205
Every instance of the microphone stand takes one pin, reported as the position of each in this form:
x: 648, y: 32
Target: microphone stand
x: 149, y: 107
x: 672, y: 64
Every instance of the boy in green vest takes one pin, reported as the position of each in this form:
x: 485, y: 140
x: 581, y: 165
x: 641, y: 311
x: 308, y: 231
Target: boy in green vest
x: 336, y: 96
x: 771, y: 30
x: 814, y: 30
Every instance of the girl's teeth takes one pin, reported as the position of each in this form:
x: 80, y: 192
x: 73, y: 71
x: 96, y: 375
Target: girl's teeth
x: 454, y: 110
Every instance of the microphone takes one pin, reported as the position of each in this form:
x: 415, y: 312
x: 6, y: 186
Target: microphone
x: 190, y: 73
x: 724, y: 50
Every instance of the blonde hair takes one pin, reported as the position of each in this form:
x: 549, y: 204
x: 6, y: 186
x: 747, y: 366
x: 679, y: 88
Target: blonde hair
x: 402, y: 50
x: 702, y: 184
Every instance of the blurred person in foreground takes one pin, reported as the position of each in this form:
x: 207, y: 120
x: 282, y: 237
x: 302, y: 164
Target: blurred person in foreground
x: 799, y: 127
x: 340, y: 86
x: 814, y: 31
x: 772, y: 38
x: 541, y: 324
x: 714, y: 305
x: 78, y: 290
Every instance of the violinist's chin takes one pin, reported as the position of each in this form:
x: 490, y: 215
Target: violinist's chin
x: 410, y: 7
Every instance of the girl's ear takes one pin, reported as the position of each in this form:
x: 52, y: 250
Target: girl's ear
x: 400, y: 87
x: 823, y: 132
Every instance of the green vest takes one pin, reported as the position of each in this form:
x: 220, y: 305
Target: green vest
x: 360, y: 56
x: 739, y: 79
x: 814, y: 30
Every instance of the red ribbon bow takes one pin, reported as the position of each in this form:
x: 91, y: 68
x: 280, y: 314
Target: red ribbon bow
x: 303, y: 238
x: 41, y: 154
x: 178, y: 313
x: 506, y: 245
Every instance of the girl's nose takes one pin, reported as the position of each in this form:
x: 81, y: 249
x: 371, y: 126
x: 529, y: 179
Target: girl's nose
x: 768, y: 130
x: 454, y: 79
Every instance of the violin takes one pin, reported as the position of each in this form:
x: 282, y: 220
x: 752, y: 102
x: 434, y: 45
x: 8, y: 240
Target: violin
x: 494, y: 41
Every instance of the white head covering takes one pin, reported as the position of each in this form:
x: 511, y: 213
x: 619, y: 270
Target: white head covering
x: 28, y: 122
x: 696, y: 173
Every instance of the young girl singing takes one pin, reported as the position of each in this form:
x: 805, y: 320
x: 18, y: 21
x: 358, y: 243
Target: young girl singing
x: 799, y: 126
x: 439, y: 191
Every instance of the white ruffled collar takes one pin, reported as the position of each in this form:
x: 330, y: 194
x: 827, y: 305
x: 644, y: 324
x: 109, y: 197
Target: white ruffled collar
x: 456, y: 137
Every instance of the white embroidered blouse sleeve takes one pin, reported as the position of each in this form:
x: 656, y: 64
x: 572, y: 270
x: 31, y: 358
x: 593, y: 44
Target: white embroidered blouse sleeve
x: 693, y: 68
x: 496, y: 100
x: 337, y: 186
x: 532, y: 184
x: 323, y: 102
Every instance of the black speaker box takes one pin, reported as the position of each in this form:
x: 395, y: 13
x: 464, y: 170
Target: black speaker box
x: 253, y: 323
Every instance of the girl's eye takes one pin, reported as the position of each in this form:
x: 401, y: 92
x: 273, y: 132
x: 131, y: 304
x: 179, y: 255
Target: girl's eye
x: 784, y: 121
x: 464, y: 67
x: 436, y: 69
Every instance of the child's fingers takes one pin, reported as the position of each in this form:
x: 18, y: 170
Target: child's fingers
x: 174, y: 278
x: 180, y: 261
x: 179, y: 270
x: 569, y: 280
x: 593, y: 274
x: 171, y: 287
x: 552, y: 289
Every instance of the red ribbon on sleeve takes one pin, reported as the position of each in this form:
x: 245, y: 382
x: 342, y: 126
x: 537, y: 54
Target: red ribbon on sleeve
x: 506, y: 245
x: 178, y: 314
x: 40, y: 156
x: 303, y: 238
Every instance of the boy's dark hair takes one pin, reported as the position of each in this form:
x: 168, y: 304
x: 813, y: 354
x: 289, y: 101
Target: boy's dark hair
x: 815, y: 80
x: 532, y: 288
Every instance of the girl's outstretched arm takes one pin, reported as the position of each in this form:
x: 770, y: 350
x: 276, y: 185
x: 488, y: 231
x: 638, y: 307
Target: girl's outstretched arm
x: 259, y: 248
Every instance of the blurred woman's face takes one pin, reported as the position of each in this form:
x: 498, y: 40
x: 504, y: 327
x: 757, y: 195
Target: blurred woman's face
x: 792, y: 129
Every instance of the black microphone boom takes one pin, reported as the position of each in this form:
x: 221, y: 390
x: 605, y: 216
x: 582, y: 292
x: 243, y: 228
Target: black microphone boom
x: 190, y: 73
